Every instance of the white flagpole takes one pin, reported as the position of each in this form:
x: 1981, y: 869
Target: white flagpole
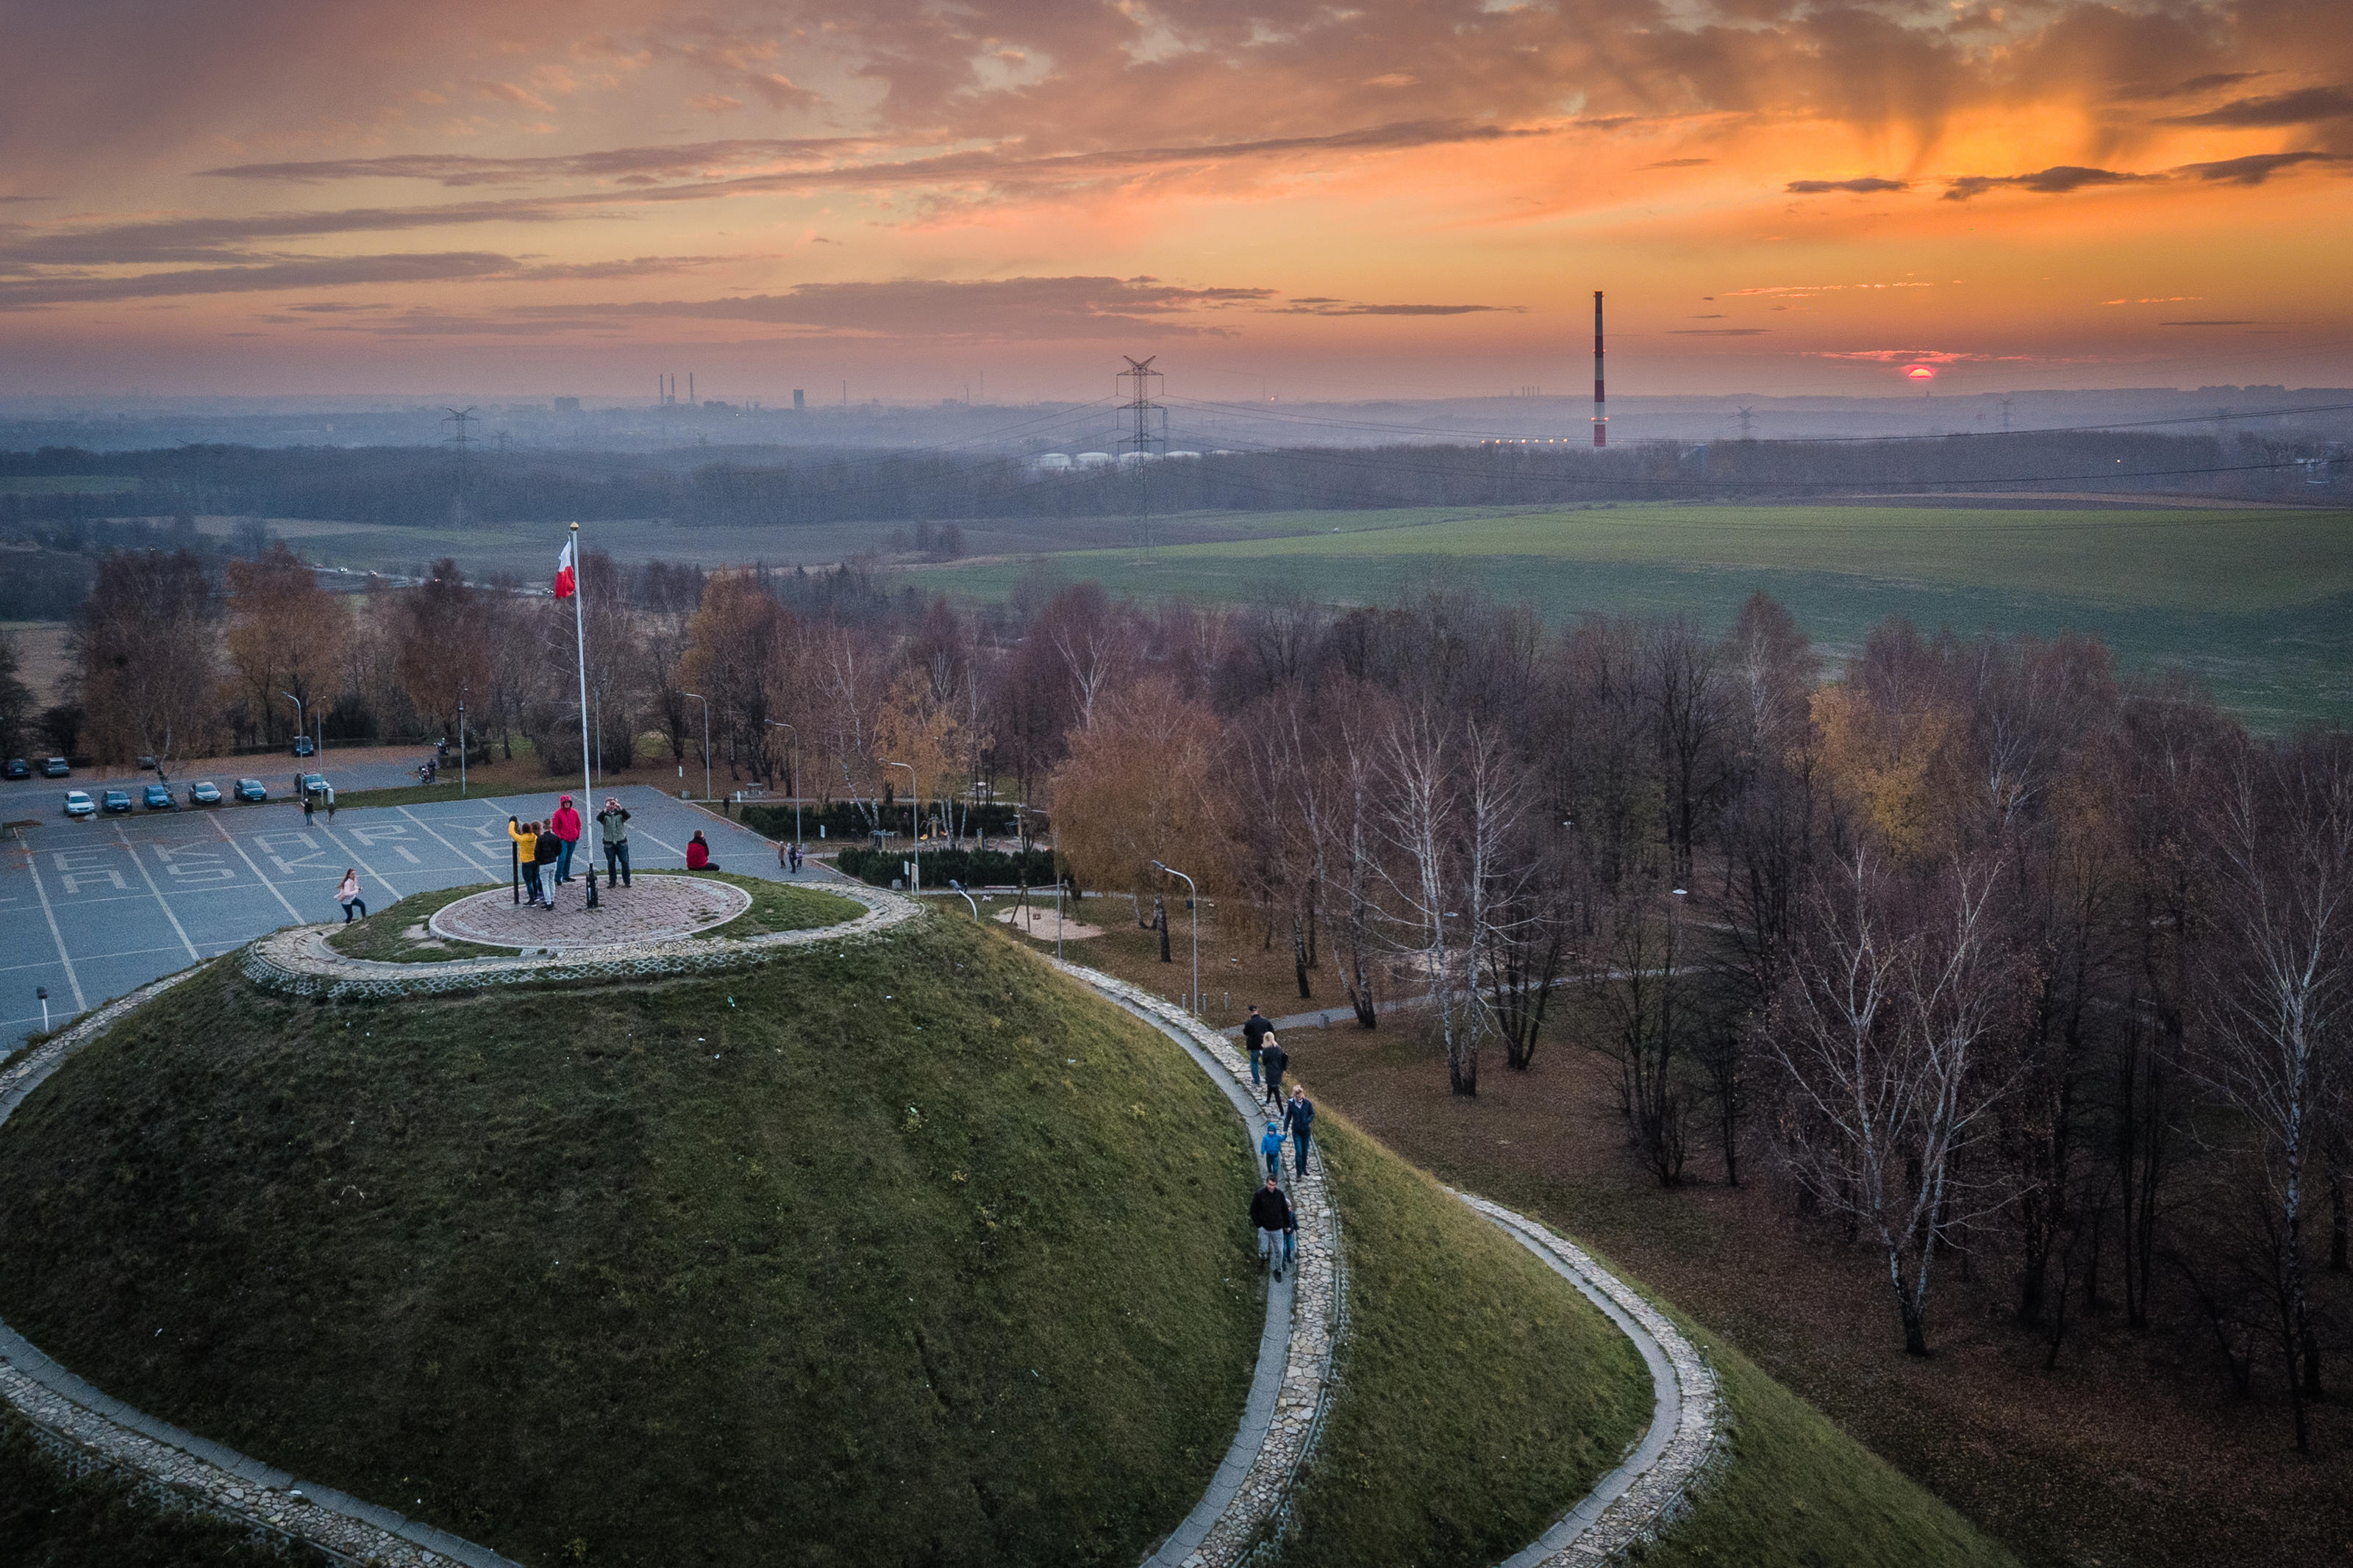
x: 580, y: 646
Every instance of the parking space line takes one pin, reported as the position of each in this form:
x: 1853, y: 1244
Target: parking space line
x: 469, y: 861
x: 32, y: 867
x: 391, y: 891
x: 160, y: 903
x: 291, y: 912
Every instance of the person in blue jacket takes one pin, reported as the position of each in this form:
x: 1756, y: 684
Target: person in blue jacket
x: 1271, y: 1146
x: 1299, y: 1119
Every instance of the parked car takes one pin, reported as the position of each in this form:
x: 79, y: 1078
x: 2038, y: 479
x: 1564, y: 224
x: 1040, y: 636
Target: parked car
x: 78, y: 803
x: 250, y: 789
x: 118, y: 800
x: 18, y: 768
x: 146, y: 764
x: 204, y: 792
x: 302, y: 747
x: 314, y: 784
x: 57, y: 768
x: 158, y: 797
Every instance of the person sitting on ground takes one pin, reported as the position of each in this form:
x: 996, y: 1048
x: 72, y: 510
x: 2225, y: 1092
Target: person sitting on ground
x: 1271, y: 1216
x: 1299, y: 1119
x: 698, y: 853
x: 1271, y: 1148
x: 526, y: 849
x: 546, y: 851
x: 347, y: 893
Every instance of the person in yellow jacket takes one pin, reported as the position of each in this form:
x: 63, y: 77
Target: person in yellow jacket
x: 526, y: 842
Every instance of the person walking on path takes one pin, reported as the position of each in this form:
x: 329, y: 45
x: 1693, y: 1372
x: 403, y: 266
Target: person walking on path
x: 347, y: 893
x: 1270, y: 1215
x: 546, y: 851
x: 566, y: 824
x: 1269, y: 1147
x: 1273, y: 1058
x: 526, y: 844
x: 797, y: 858
x: 1255, y: 1029
x: 1299, y: 1120
x: 613, y: 822
x: 698, y: 853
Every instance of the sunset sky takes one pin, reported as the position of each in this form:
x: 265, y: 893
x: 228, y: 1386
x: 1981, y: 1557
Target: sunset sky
x: 1393, y: 198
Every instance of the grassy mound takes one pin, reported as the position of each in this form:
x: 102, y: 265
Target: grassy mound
x: 399, y: 932
x: 905, y: 1252
x: 1480, y: 1394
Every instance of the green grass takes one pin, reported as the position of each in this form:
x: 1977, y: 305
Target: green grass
x: 1797, y: 1492
x: 67, y: 484
x: 749, y: 1270
x: 385, y: 935
x: 1480, y: 1394
x: 52, y: 1518
x: 2257, y: 602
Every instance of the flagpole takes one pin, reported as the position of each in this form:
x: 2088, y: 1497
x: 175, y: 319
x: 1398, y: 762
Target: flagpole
x: 580, y: 647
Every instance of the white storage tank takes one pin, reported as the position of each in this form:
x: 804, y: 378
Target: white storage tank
x: 1092, y: 460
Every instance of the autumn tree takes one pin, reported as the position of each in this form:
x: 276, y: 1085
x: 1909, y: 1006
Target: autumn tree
x: 734, y: 638
x: 443, y: 654
x: 146, y: 652
x: 284, y: 635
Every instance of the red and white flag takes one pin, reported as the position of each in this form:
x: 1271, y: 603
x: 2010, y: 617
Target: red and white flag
x: 564, y: 582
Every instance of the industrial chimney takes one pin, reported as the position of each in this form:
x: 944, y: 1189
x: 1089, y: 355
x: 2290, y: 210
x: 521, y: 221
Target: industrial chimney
x: 1600, y: 399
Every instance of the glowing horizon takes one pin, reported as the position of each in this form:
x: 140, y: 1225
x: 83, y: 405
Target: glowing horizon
x: 1385, y: 200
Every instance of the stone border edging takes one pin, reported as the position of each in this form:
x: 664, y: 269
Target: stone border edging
x: 1652, y: 1488
x: 297, y: 961
x: 217, y: 1479
x: 741, y: 900
x: 1283, y: 1417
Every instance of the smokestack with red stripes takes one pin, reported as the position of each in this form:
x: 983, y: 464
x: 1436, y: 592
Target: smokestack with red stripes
x: 1600, y: 399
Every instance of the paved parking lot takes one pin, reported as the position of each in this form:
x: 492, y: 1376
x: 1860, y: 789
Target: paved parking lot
x: 93, y: 909
x: 371, y: 767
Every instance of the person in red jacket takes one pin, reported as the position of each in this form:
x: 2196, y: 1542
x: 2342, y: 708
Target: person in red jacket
x: 698, y: 853
x: 565, y: 826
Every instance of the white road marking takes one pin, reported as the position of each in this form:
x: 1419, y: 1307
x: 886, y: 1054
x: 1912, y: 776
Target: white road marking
x: 73, y: 979
x: 291, y: 913
x: 160, y: 903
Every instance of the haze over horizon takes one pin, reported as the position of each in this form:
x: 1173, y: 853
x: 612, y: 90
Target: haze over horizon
x: 1318, y: 202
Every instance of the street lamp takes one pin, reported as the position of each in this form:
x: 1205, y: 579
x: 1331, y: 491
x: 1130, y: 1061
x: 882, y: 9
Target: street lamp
x: 959, y: 888
x: 706, y: 740
x: 462, y: 748
x: 1193, y: 902
x: 914, y: 820
x: 779, y: 724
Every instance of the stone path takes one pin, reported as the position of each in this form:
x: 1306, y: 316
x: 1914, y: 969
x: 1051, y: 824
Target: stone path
x: 661, y: 907
x: 1248, y: 1499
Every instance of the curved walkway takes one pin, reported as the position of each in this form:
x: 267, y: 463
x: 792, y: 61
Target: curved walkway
x: 1305, y: 1316
x: 297, y: 962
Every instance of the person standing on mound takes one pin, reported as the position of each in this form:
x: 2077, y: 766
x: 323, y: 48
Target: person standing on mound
x: 1271, y: 1215
x: 565, y: 826
x: 1273, y: 1058
x: 526, y: 849
x: 347, y: 893
x: 546, y: 851
x: 698, y: 853
x: 613, y: 824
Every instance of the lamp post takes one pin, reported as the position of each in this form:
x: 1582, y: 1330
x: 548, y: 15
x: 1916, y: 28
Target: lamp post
x: 706, y: 739
x: 462, y: 748
x: 914, y: 820
x: 1193, y: 902
x: 779, y: 724
x: 959, y: 888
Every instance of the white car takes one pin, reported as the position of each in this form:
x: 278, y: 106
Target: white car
x: 78, y: 804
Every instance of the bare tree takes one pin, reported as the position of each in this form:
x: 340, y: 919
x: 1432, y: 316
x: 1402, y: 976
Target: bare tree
x: 1884, y: 1036
x: 2279, y: 992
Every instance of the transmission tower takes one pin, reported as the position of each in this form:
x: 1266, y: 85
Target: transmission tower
x: 1746, y: 415
x: 1140, y: 374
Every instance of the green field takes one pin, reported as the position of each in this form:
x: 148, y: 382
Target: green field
x: 2258, y: 603
x: 66, y: 484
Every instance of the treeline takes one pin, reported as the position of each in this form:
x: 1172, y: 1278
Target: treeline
x: 429, y: 486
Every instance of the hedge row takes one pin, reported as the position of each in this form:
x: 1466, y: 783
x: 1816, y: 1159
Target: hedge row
x: 973, y: 868
x: 843, y: 820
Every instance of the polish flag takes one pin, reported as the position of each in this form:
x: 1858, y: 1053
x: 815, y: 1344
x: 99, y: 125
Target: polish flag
x: 563, y: 578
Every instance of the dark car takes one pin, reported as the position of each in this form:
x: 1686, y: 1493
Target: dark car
x: 118, y: 800
x: 315, y: 783
x: 302, y: 747
x: 18, y: 768
x: 146, y: 764
x: 250, y: 789
x: 57, y: 768
x: 204, y: 792
x: 158, y: 797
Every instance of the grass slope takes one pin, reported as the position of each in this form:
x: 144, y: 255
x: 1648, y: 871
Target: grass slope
x: 1480, y: 1395
x: 2257, y: 602
x: 50, y: 1518
x: 905, y: 1252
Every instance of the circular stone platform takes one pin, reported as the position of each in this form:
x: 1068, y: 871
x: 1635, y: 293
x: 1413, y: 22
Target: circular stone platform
x: 650, y: 911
